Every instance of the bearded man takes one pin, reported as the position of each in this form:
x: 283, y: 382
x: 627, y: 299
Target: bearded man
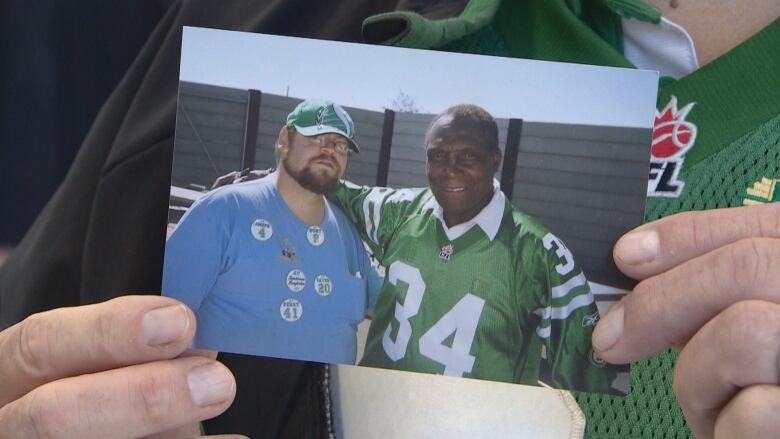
x: 269, y: 266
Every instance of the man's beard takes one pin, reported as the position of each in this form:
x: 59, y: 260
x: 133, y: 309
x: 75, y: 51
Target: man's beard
x: 319, y: 184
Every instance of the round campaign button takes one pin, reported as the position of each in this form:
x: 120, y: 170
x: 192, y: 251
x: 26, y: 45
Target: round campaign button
x: 315, y: 235
x: 262, y: 230
x: 322, y: 285
x: 291, y: 310
x: 296, y: 280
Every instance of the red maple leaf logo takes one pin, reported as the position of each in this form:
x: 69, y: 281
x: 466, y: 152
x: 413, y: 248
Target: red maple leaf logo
x: 672, y: 134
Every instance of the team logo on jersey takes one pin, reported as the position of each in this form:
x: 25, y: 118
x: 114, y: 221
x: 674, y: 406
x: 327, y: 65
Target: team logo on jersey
x: 596, y: 360
x: 296, y: 280
x: 590, y: 320
x: 291, y: 310
x: 446, y: 252
x: 673, y: 136
x: 288, y: 252
x: 262, y: 230
x: 315, y: 235
x: 764, y: 191
x: 322, y: 285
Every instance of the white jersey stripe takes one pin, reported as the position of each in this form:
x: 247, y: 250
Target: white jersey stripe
x: 544, y: 313
x: 563, y: 312
x: 562, y: 290
x: 543, y: 332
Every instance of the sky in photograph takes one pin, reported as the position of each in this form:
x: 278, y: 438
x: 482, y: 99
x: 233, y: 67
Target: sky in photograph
x: 373, y: 77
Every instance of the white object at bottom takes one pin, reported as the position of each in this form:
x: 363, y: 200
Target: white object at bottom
x: 376, y: 403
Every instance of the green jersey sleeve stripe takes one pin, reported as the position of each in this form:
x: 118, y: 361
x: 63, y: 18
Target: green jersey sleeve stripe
x: 563, y: 312
x: 564, y: 289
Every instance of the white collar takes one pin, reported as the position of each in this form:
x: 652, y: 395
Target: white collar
x: 488, y: 219
x: 666, y: 47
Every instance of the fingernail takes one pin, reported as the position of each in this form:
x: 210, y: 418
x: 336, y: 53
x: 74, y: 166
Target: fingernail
x: 210, y: 384
x: 608, y: 329
x: 638, y: 247
x: 165, y: 325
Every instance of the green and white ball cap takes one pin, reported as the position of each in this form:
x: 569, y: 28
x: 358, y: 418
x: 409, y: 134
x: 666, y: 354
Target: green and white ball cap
x: 314, y: 117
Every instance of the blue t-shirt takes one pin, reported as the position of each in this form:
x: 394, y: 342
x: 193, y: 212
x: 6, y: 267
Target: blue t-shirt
x: 262, y: 282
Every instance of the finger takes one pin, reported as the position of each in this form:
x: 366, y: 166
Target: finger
x: 199, y: 353
x: 191, y: 430
x: 736, y: 349
x: 73, y: 341
x: 660, y: 245
x: 131, y: 402
x: 667, y: 309
x: 752, y: 413
x: 223, y: 180
x: 251, y: 176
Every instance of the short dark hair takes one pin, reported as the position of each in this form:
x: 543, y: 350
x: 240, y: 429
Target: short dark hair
x: 473, y: 119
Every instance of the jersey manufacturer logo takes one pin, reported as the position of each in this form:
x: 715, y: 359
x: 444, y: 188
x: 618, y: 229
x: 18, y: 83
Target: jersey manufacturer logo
x: 764, y: 191
x: 590, y: 320
x: 446, y: 252
x: 673, y: 136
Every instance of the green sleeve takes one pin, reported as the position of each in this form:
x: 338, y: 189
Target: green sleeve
x: 567, y: 323
x: 376, y: 212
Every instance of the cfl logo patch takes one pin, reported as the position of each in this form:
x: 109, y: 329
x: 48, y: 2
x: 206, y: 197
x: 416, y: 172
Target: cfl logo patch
x: 673, y: 136
x: 664, y: 178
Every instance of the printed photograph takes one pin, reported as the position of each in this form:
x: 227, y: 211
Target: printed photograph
x: 404, y: 209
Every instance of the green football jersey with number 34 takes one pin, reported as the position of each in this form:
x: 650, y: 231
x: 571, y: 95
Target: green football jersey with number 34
x: 497, y: 298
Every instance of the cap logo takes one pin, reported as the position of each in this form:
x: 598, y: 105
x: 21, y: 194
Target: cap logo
x: 320, y: 117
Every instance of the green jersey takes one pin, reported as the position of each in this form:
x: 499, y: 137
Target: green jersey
x: 498, y: 297
x: 732, y: 159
